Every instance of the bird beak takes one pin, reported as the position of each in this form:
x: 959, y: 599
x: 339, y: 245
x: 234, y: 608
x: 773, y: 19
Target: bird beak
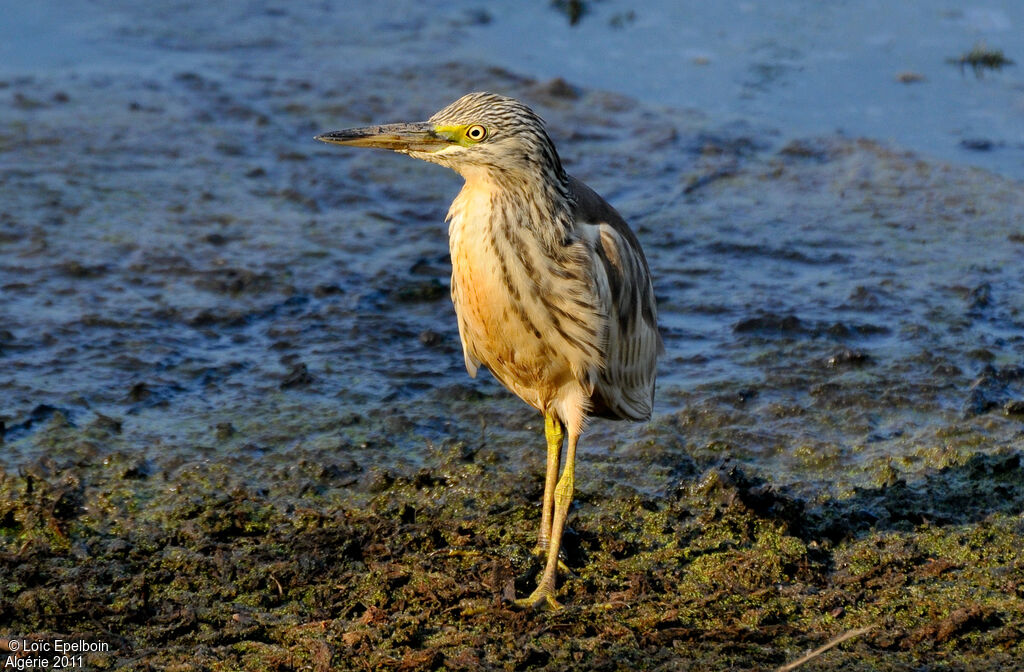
x: 418, y: 137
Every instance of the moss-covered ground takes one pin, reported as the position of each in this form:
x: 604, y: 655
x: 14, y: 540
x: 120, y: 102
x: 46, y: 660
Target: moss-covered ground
x: 343, y: 568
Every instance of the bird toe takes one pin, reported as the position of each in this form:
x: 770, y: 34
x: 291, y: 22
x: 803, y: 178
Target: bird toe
x: 538, y: 600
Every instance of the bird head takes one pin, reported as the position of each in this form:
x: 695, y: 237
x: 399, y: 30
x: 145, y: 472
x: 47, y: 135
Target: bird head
x: 480, y: 132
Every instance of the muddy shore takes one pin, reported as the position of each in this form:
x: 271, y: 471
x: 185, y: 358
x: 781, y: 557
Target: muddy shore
x: 339, y: 567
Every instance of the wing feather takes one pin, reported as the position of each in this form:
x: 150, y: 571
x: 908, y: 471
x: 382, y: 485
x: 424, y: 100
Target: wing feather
x: 625, y: 384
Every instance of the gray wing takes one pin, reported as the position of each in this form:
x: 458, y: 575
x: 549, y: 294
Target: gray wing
x: 625, y: 385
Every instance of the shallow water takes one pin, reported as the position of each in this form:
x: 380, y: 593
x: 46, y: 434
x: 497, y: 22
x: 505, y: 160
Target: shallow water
x: 800, y: 67
x: 177, y: 253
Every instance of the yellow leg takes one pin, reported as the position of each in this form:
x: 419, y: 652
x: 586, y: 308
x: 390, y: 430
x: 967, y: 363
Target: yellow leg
x: 544, y: 595
x: 554, y: 431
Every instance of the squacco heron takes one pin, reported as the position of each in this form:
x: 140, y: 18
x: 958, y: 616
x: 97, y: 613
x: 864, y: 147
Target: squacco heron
x: 551, y: 288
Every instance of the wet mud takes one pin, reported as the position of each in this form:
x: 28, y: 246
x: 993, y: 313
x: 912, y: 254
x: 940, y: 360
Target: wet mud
x: 236, y: 431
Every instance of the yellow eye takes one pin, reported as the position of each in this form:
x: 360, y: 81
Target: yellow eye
x: 476, y: 133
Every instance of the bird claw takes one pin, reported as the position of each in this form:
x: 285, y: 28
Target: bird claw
x: 539, y: 599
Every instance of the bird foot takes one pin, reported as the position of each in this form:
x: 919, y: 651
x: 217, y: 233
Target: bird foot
x: 541, y: 553
x: 541, y: 598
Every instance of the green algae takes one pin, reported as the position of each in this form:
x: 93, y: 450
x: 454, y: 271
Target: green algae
x: 981, y: 58
x: 202, y: 571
